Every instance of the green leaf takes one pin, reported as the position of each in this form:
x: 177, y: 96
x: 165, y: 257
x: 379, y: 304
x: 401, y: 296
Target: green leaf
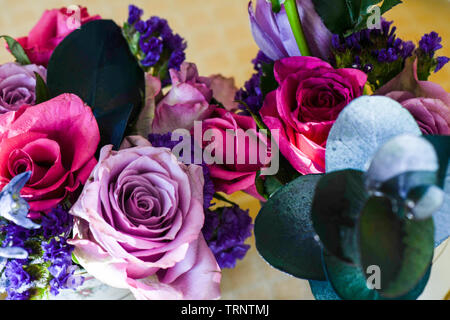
x: 284, y: 233
x: 268, y: 82
x: 338, y: 201
x: 388, y: 5
x: 348, y: 16
x: 42, y: 92
x: 17, y: 50
x: 96, y: 64
x: 401, y: 248
x: 276, y: 5
x: 442, y: 147
x: 349, y: 282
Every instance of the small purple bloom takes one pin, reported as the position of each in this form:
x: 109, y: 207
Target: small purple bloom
x: 134, y: 14
x: 441, y: 62
x: 58, y: 222
x: 153, y: 50
x: 430, y: 43
x: 226, y: 230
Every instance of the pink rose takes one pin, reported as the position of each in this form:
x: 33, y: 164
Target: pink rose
x: 428, y: 102
x: 241, y: 174
x: 138, y: 225
x: 52, y: 28
x: 57, y: 141
x: 305, y: 106
x: 190, y: 98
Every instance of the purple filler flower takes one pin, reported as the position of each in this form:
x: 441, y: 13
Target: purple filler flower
x: 273, y: 34
x: 430, y: 43
x: 441, y: 62
x: 17, y: 85
x: 225, y: 231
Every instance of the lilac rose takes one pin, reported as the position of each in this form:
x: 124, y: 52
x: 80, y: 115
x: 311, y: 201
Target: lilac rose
x: 190, y: 99
x: 138, y: 225
x: 18, y: 85
x: 273, y: 34
x: 428, y: 102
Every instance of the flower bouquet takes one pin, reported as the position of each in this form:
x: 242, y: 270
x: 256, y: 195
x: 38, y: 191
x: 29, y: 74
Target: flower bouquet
x: 117, y: 156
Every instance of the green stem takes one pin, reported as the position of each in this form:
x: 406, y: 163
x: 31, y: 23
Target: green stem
x: 296, y: 26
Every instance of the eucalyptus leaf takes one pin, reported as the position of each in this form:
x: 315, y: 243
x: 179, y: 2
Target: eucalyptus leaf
x: 401, y: 248
x: 366, y: 124
x: 348, y: 282
x: 442, y: 217
x: 96, y: 64
x: 339, y: 198
x: 16, y: 50
x: 403, y: 153
x: 284, y: 233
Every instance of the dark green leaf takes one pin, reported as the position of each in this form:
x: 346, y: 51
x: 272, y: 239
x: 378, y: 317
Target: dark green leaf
x: 276, y: 5
x: 349, y: 282
x: 17, y: 50
x: 339, y: 198
x: 268, y: 81
x: 96, y: 64
x: 272, y: 185
x: 388, y: 5
x: 442, y: 146
x: 401, y: 248
x: 348, y: 16
x: 42, y: 92
x: 284, y: 233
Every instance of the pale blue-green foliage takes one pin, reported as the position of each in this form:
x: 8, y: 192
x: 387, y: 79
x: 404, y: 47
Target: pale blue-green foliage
x: 362, y: 128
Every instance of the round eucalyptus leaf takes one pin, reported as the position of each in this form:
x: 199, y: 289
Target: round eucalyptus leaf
x: 349, y: 282
x: 366, y: 124
x: 339, y: 198
x: 401, y: 248
x: 423, y: 201
x: 404, y: 153
x: 284, y: 234
x: 442, y: 216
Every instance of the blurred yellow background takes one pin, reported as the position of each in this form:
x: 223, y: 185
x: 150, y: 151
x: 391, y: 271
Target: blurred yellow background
x: 220, y: 41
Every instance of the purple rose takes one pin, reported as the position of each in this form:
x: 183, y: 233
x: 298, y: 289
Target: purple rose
x: 190, y: 98
x: 428, y: 102
x: 17, y: 85
x: 273, y: 34
x: 138, y: 225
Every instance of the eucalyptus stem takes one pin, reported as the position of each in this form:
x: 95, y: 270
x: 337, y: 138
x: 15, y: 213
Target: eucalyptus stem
x: 296, y: 26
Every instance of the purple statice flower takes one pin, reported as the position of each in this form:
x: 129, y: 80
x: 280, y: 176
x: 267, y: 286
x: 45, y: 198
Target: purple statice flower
x: 441, y: 62
x: 387, y: 55
x: 16, y: 281
x: 58, y: 222
x: 226, y: 230
x: 251, y: 94
x: 59, y: 254
x: 134, y: 14
x: 153, y: 49
x: 165, y: 141
x: 160, y: 46
x: 430, y: 43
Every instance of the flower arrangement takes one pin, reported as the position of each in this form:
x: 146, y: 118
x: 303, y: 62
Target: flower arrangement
x: 117, y: 156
